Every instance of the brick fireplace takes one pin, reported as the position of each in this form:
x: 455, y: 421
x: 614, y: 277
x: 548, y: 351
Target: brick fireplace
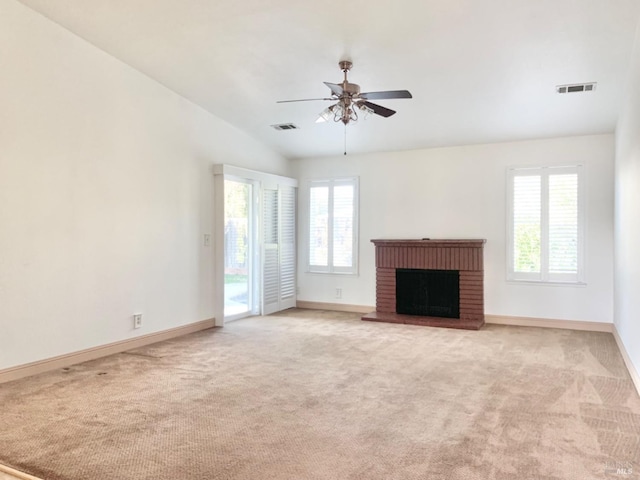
x: 465, y: 257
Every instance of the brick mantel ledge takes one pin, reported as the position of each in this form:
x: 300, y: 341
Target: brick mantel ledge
x: 429, y: 242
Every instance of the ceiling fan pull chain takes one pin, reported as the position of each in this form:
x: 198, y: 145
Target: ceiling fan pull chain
x: 345, y: 138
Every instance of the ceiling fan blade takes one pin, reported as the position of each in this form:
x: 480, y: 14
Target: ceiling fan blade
x: 304, y: 100
x: 386, y: 95
x: 335, y: 88
x: 379, y: 109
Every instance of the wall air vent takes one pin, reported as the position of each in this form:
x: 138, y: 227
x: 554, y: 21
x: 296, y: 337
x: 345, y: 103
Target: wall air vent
x: 576, y: 88
x: 285, y: 126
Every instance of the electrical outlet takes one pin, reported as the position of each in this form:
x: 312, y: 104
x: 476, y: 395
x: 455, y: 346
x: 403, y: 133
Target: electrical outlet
x: 137, y: 320
x: 338, y: 293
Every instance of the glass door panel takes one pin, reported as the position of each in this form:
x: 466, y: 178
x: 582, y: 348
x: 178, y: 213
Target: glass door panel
x: 238, y: 253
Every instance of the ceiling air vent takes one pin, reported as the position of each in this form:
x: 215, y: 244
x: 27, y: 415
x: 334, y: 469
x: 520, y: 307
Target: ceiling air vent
x: 576, y: 87
x: 285, y: 126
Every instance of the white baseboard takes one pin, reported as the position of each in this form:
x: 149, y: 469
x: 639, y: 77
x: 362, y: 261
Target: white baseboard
x: 21, y: 371
x: 496, y: 319
x: 336, y: 307
x: 13, y: 473
x: 633, y: 373
x: 549, y: 323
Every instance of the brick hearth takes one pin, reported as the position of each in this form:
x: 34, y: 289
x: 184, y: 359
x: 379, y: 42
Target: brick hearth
x: 466, y: 256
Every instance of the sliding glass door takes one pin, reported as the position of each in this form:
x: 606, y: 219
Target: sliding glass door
x: 255, y: 241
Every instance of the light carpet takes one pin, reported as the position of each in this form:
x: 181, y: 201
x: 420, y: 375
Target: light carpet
x: 323, y: 395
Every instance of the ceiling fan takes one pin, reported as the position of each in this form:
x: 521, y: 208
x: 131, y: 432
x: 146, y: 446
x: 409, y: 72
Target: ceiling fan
x: 350, y: 101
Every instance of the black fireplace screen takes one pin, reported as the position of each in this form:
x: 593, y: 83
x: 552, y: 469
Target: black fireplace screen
x: 430, y: 293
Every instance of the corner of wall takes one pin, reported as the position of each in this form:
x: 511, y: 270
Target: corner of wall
x: 633, y: 372
x: 626, y: 230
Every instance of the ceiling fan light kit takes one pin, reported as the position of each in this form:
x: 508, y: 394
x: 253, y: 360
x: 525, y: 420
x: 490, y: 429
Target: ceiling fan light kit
x: 338, y: 113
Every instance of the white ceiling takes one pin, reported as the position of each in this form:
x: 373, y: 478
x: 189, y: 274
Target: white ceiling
x: 479, y: 71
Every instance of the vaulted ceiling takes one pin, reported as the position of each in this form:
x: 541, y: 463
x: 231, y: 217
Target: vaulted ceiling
x: 479, y: 71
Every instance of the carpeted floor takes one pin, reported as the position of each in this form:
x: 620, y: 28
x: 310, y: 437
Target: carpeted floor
x: 323, y: 395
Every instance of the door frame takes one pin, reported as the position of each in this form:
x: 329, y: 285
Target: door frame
x: 261, y: 179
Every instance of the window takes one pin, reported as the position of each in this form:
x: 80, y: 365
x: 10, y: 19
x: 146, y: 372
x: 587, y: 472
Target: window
x: 545, y: 224
x: 333, y: 226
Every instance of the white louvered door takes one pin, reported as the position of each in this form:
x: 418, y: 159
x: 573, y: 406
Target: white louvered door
x: 279, y: 249
x: 270, y: 254
x: 287, y: 247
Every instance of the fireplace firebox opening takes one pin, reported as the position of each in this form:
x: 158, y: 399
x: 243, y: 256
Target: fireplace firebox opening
x: 432, y: 293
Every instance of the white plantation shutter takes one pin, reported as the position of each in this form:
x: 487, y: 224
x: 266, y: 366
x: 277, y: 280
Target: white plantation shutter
x: 546, y: 224
x: 319, y: 226
x: 527, y: 224
x: 287, y: 247
x: 343, y: 209
x: 270, y: 268
x: 333, y: 213
x: 279, y: 249
x: 563, y: 223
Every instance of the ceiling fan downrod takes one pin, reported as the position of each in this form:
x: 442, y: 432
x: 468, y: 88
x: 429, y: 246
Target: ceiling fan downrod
x: 345, y: 66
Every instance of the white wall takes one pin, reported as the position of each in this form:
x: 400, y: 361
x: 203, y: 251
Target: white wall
x: 106, y: 191
x: 627, y: 218
x: 460, y: 192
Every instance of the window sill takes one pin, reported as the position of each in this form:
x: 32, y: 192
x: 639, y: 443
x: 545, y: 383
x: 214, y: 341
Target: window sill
x: 543, y: 283
x: 338, y: 274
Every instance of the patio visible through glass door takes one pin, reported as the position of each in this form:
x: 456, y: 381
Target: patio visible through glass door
x: 238, y: 253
